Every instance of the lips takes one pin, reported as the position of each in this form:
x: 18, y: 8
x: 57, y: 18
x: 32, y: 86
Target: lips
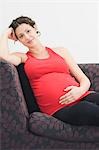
x: 30, y: 41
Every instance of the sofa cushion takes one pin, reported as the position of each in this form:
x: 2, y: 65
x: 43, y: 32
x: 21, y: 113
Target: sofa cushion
x: 27, y: 91
x: 45, y: 125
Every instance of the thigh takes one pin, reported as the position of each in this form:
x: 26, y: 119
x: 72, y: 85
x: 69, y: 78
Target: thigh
x: 93, y: 98
x: 83, y: 113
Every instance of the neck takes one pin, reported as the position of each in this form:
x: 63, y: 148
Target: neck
x: 36, y: 50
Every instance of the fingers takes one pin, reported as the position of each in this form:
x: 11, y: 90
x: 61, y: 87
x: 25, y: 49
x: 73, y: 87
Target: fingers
x: 11, y: 34
x: 68, y: 88
x: 64, y: 96
x: 72, y: 94
x: 67, y: 98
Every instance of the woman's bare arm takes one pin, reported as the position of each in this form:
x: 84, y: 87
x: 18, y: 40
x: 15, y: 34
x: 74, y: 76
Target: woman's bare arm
x: 74, y: 92
x: 14, y: 58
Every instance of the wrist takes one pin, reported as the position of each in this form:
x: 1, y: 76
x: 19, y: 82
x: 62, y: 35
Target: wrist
x: 84, y: 89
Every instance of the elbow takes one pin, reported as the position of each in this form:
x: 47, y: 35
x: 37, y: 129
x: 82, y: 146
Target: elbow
x: 88, y: 82
x: 15, y: 63
x: 85, y: 84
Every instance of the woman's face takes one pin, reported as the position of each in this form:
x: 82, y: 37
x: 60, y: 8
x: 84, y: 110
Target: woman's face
x: 26, y: 34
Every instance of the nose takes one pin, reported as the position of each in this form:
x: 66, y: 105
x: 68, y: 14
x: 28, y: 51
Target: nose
x: 26, y: 36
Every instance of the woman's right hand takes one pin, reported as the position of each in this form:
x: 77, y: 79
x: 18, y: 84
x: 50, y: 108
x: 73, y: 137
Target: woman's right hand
x: 10, y: 34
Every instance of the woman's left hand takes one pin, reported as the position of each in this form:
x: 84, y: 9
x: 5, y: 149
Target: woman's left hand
x: 72, y: 94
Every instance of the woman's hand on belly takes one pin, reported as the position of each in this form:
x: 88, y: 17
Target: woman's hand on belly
x: 72, y: 94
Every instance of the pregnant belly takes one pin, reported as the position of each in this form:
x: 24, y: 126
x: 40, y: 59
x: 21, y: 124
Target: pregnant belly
x: 50, y: 87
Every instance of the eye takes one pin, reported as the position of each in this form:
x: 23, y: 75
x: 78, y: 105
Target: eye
x: 28, y: 31
x: 21, y: 36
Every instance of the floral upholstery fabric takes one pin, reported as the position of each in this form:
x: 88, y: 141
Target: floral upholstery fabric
x: 92, y: 71
x: 14, y: 134
x: 15, y: 122
x: 49, y: 126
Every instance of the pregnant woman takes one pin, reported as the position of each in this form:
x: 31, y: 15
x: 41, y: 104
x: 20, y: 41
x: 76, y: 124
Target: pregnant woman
x: 60, y: 87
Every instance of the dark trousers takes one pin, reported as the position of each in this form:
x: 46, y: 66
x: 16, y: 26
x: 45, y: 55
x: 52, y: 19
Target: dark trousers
x: 85, y: 112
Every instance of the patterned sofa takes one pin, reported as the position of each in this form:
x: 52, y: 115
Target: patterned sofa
x: 24, y: 130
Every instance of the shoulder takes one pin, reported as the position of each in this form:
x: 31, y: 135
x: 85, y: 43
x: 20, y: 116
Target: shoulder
x: 23, y: 56
x: 64, y: 52
x: 61, y: 51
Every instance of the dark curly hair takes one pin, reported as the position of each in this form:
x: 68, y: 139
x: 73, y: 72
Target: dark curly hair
x: 22, y: 19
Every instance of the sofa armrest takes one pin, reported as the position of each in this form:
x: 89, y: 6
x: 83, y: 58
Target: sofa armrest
x: 44, y: 125
x: 12, y: 104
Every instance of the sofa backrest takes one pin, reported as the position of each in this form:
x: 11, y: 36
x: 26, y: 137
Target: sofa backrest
x: 27, y: 91
x: 92, y: 72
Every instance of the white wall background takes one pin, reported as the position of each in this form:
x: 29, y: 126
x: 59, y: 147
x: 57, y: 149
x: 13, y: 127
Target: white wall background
x: 98, y: 31
x: 73, y: 24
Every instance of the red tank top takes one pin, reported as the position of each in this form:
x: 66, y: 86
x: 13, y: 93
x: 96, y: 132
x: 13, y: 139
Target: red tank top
x: 48, y: 78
